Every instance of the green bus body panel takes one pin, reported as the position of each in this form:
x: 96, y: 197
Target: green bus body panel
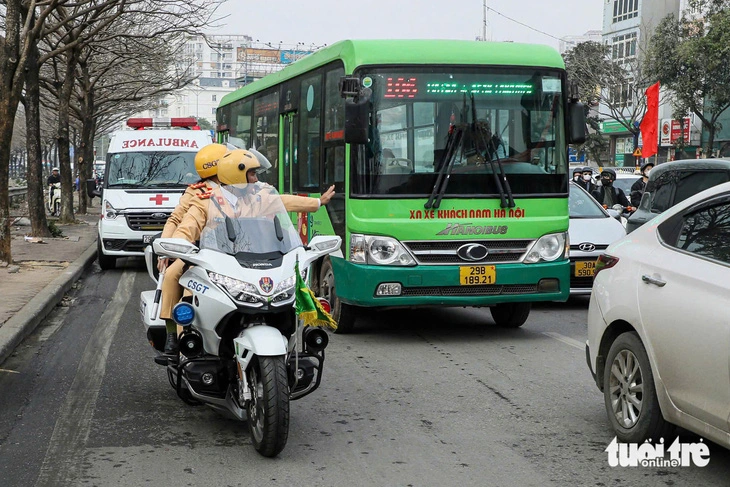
x: 408, y: 220
x: 356, y: 283
x: 409, y: 52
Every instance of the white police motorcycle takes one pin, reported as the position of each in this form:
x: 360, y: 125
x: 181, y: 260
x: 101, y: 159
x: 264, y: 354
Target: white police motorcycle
x: 243, y: 351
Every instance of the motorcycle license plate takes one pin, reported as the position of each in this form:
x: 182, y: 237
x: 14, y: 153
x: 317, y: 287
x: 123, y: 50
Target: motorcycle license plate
x: 585, y: 268
x: 147, y: 238
x: 475, y: 275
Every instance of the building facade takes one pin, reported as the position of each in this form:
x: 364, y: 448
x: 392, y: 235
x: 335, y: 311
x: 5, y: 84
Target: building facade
x: 627, y: 27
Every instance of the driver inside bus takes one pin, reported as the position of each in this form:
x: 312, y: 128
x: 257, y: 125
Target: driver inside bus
x: 237, y: 166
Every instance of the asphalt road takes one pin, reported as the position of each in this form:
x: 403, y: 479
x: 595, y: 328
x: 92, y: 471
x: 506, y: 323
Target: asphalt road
x: 422, y: 398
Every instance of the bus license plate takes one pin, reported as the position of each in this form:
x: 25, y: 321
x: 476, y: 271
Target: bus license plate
x: 475, y: 275
x: 585, y: 268
x: 147, y: 238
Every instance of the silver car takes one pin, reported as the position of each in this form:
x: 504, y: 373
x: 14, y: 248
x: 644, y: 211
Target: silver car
x: 592, y: 229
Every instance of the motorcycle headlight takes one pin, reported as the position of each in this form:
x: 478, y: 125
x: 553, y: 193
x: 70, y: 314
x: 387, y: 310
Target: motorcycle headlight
x: 233, y: 286
x: 378, y: 250
x: 285, y: 285
x: 548, y: 248
x: 110, y: 213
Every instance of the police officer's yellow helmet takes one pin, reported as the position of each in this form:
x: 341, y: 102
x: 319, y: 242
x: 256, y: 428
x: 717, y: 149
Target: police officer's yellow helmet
x: 234, y: 165
x: 206, y: 160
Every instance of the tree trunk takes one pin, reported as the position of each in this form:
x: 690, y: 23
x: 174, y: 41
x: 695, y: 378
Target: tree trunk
x: 64, y: 143
x: 34, y: 175
x: 710, y: 140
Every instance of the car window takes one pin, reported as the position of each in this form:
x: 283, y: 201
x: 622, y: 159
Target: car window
x: 706, y: 233
x: 690, y: 184
x: 662, y: 196
x: 625, y: 184
x: 581, y: 205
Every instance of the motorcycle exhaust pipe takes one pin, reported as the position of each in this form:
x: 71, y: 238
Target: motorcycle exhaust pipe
x: 315, y: 339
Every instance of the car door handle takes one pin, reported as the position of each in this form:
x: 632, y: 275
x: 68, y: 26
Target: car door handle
x: 653, y: 280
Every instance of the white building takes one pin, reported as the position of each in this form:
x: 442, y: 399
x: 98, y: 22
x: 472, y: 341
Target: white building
x: 221, y: 65
x: 569, y: 42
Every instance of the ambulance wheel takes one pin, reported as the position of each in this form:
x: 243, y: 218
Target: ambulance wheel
x: 106, y: 262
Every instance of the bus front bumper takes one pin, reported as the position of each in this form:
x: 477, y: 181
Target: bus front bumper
x: 425, y: 285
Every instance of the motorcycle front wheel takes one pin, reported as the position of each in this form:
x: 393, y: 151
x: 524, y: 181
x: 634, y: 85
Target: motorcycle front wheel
x: 268, y: 410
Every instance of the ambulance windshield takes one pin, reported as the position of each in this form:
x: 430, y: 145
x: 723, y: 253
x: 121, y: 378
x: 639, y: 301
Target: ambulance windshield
x: 151, y: 169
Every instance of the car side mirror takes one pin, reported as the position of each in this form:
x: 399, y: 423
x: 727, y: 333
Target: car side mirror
x: 91, y: 190
x: 614, y: 214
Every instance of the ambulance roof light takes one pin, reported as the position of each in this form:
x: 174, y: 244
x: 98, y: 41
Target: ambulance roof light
x: 142, y: 123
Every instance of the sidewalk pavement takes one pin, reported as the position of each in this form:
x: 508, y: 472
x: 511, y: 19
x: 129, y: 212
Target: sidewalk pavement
x: 42, y: 272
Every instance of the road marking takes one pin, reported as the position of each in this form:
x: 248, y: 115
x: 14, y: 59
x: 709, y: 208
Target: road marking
x: 65, y: 448
x: 567, y: 340
x: 10, y: 371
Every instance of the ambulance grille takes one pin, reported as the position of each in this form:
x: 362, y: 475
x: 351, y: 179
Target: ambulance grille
x: 147, y: 221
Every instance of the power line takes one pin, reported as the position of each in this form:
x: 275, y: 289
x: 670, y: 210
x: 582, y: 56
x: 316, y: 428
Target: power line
x: 525, y: 25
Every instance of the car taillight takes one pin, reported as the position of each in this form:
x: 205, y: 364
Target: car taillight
x: 604, y: 261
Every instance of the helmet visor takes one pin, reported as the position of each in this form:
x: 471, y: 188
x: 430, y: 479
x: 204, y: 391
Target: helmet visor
x: 265, y: 164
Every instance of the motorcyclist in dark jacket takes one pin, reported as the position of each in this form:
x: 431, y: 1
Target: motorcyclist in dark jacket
x: 607, y: 194
x: 638, y: 188
x: 586, y: 180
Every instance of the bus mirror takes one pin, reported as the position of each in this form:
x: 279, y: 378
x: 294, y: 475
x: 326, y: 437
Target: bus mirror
x: 357, y: 117
x: 576, y: 123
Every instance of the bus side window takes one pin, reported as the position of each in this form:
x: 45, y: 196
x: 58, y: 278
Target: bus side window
x: 306, y: 168
x: 266, y: 137
x: 334, y: 135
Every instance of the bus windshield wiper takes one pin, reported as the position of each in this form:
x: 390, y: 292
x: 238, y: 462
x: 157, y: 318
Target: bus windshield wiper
x: 500, y: 180
x: 454, y: 142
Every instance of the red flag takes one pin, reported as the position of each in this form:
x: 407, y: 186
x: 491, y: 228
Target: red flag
x: 650, y: 123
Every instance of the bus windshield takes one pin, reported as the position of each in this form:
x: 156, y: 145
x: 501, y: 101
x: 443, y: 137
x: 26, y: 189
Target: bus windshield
x: 151, y: 169
x: 519, y: 112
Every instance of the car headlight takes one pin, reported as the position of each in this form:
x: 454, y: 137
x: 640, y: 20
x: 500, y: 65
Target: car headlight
x: 233, y: 286
x: 375, y: 249
x: 548, y: 248
x: 110, y: 213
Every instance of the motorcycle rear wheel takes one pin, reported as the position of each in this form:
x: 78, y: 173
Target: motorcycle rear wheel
x: 268, y: 410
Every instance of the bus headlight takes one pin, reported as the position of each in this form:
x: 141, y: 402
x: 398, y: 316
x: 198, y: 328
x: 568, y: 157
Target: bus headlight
x: 548, y: 248
x: 378, y: 250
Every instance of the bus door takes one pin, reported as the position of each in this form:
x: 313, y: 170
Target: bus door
x: 288, y: 138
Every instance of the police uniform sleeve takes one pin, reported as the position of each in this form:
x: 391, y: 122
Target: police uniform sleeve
x: 178, y: 213
x: 194, y: 220
x: 300, y: 203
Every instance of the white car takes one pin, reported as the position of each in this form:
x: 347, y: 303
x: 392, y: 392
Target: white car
x: 592, y: 229
x: 658, y: 324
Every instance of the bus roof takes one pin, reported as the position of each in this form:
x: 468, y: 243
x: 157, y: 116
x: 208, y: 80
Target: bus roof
x: 356, y: 53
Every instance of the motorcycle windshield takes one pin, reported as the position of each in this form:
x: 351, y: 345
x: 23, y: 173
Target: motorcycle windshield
x: 250, y: 219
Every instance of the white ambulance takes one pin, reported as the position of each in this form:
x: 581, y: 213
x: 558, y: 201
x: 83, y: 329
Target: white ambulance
x: 147, y: 170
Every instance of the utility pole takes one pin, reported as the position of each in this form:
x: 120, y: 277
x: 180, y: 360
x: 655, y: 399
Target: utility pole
x: 484, y: 25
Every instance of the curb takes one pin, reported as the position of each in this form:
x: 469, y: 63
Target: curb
x: 25, y: 321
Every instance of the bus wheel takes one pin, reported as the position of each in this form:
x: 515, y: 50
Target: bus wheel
x: 344, y: 314
x: 510, y: 315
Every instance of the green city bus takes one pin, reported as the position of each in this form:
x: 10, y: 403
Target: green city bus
x: 450, y: 163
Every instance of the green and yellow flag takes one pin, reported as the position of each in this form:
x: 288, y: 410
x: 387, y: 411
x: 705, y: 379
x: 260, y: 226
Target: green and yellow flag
x: 308, y: 306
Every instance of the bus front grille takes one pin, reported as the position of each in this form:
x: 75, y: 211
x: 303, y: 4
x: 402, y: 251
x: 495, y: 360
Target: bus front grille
x: 444, y: 252
x: 489, y: 290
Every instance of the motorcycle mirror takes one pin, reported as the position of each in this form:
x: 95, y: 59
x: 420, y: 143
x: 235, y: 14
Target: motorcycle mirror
x: 230, y: 230
x: 277, y: 228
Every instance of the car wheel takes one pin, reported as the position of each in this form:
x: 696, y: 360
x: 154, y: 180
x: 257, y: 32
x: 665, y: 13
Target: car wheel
x: 510, y: 315
x: 629, y: 393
